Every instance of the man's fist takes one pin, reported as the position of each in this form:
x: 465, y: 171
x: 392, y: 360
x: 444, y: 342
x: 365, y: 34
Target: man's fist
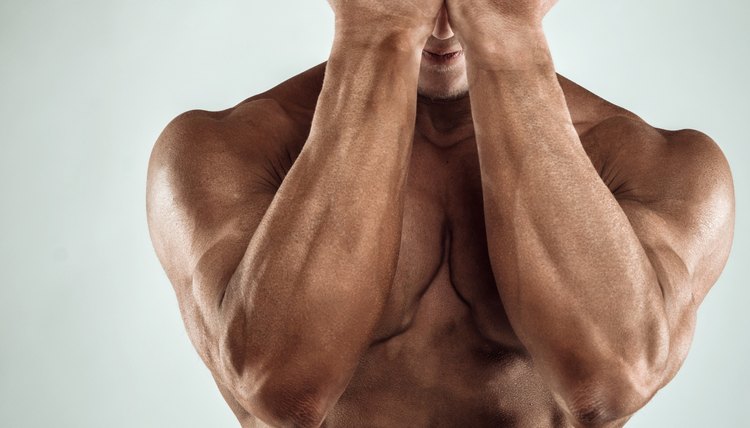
x: 387, y: 17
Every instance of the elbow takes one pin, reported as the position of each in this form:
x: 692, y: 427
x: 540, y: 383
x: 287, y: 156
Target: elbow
x: 281, y: 403
x: 282, y: 406
x: 618, y: 389
x: 290, y: 391
x: 600, y: 407
x: 613, y: 395
x: 273, y: 394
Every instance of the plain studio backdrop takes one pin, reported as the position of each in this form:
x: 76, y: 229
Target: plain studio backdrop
x: 90, y: 334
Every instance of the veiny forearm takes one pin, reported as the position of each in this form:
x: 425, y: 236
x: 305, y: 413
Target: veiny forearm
x: 304, y: 301
x: 577, y: 285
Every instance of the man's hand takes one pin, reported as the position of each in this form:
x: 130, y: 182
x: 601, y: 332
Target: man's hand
x: 384, y: 18
x: 477, y: 22
x: 465, y: 13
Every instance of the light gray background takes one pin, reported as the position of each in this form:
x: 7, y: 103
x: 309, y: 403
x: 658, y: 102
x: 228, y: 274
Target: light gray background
x: 90, y: 335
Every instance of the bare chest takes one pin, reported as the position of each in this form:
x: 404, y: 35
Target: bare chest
x: 444, y: 353
x: 444, y: 246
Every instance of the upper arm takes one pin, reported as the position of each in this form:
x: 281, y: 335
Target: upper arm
x: 676, y: 190
x: 210, y: 180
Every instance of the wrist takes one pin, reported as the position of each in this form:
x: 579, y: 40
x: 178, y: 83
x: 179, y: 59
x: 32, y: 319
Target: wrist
x: 352, y: 52
x: 382, y: 49
x: 402, y: 38
x: 513, y: 47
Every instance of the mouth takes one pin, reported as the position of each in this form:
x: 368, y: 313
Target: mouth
x: 442, y: 57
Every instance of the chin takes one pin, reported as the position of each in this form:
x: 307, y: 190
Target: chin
x: 442, y: 92
x: 444, y: 85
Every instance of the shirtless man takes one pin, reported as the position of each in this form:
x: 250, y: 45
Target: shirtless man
x: 401, y: 238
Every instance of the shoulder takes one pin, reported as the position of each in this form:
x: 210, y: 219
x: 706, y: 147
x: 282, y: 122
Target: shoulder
x: 198, y: 145
x: 611, y: 127
x: 680, y: 174
x: 210, y: 176
x: 635, y: 157
x: 654, y: 163
x: 263, y: 128
x: 676, y: 185
x: 206, y: 162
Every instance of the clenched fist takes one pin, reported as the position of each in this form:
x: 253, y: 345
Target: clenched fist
x: 378, y: 18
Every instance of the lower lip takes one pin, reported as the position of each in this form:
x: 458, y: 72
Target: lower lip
x: 449, y: 58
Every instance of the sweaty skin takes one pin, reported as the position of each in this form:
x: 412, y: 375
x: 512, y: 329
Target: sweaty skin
x: 394, y: 239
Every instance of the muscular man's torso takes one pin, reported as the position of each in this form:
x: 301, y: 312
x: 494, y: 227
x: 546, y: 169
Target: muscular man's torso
x: 444, y: 353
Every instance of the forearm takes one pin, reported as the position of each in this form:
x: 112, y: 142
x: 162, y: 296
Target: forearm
x: 305, y: 298
x: 579, y: 289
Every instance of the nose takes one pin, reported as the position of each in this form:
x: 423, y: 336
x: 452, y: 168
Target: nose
x: 442, y: 28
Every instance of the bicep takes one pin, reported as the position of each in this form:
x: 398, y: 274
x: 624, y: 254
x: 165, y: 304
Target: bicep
x: 676, y: 190
x: 206, y: 196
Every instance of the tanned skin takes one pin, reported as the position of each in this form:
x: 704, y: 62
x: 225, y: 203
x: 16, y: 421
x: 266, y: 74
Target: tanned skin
x: 390, y: 240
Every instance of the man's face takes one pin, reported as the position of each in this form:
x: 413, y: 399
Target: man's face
x: 442, y: 74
